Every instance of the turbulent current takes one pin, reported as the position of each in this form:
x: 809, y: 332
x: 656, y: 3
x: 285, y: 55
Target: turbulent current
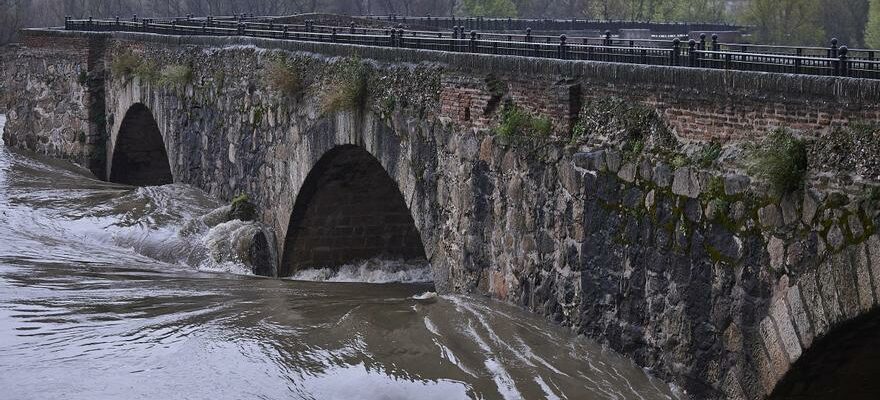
x: 108, y: 292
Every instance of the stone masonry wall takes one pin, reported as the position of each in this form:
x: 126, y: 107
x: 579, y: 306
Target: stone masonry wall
x: 700, y: 276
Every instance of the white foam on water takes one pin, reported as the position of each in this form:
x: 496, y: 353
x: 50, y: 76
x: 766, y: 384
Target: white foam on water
x: 374, y: 270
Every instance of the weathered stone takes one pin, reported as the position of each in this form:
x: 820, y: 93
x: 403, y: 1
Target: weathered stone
x: 736, y: 184
x: 799, y: 316
x: 787, y: 334
x: 828, y: 290
x: 812, y: 299
x: 835, y: 237
x: 662, y: 176
x: 811, y: 205
x: 649, y: 200
x: 613, y: 159
x: 863, y: 276
x: 627, y: 172
x: 693, y: 210
x: 775, y: 349
x: 592, y: 161
x: 844, y: 277
x: 789, y: 209
x: 776, y: 248
x: 794, y: 254
x: 873, y: 247
x: 685, y: 183
x: 855, y: 226
x: 769, y: 216
x: 645, y: 169
x: 572, y: 179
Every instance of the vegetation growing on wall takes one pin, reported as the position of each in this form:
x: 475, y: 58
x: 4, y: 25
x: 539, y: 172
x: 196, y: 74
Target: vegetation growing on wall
x: 175, y: 76
x: 781, y: 160
x: 284, y: 77
x: 349, y: 89
x: 519, y: 127
x: 128, y: 65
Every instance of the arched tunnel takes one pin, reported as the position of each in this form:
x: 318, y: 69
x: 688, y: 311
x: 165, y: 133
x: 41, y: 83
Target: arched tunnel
x: 348, y: 209
x: 139, y: 156
x: 844, y: 364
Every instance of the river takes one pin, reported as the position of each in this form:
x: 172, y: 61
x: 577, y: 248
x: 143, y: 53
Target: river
x: 102, y: 297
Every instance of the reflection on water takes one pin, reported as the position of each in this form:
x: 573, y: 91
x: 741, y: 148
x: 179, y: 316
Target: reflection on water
x: 101, y: 298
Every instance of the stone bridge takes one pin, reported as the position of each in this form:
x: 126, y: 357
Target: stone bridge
x: 493, y: 168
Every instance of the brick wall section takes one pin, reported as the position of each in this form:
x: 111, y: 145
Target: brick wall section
x: 473, y: 101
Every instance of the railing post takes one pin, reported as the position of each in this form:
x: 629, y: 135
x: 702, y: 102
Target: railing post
x: 715, y: 46
x: 562, y: 50
x: 797, y: 61
x: 844, y: 62
x: 117, y: 20
x: 401, y: 36
x: 351, y: 28
x: 67, y: 23
x: 676, y: 43
x: 473, y: 41
x: 692, y: 54
x: 240, y: 29
x: 90, y: 21
x: 333, y: 35
x: 528, y: 35
x: 391, y: 37
x: 832, y: 51
x: 134, y: 18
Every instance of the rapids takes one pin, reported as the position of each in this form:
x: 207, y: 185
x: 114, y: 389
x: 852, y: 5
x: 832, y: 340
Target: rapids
x: 109, y: 291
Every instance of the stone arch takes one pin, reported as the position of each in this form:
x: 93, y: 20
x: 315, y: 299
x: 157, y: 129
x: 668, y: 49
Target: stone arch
x: 348, y: 209
x: 138, y: 155
x: 844, y: 364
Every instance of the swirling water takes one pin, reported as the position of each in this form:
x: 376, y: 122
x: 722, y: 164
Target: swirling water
x: 102, y: 297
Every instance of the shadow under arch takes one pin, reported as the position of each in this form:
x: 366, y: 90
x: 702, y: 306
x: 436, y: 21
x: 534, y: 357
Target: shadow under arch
x: 844, y: 364
x: 139, y: 157
x: 348, y: 209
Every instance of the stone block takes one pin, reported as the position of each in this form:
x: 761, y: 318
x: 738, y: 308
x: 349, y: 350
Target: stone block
x: 736, y: 184
x: 859, y: 258
x: 789, y: 209
x: 645, y: 170
x: 835, y: 237
x: 685, y: 183
x: 776, y: 249
x: 873, y: 247
x: 662, y: 176
x: 799, y: 316
x: 828, y: 291
x: 775, y: 350
x: 811, y: 205
x: 572, y: 179
x: 785, y: 328
x: 613, y: 160
x: 592, y: 161
x: 855, y: 226
x: 844, y: 278
x: 812, y: 300
x: 649, y: 200
x: 769, y: 216
x: 627, y: 172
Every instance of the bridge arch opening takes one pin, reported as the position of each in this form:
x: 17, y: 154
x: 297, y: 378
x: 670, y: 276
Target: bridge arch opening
x: 349, y: 210
x: 139, y: 155
x: 844, y: 364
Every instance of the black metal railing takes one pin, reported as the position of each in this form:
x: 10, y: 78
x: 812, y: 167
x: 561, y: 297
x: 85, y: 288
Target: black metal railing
x: 544, y: 24
x: 834, y: 61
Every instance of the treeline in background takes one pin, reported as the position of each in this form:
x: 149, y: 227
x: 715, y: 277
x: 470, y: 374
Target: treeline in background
x: 793, y: 22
